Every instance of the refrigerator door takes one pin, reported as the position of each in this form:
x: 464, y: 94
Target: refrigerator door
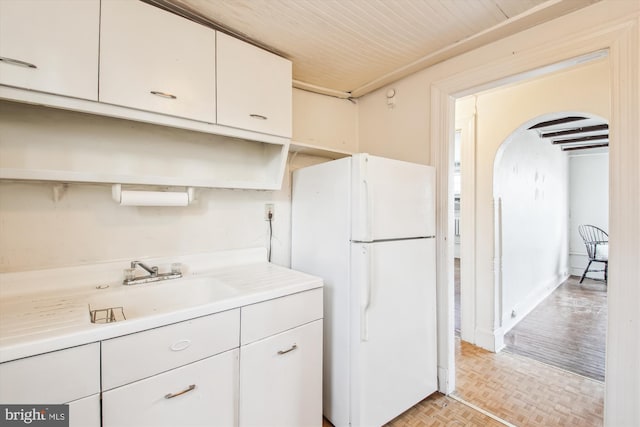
x: 393, y: 334
x: 392, y: 199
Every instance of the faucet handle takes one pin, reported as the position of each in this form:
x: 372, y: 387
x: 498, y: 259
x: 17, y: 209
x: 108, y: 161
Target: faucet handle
x: 129, y: 273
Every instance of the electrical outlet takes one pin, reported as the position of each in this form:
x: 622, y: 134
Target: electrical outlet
x: 269, y: 212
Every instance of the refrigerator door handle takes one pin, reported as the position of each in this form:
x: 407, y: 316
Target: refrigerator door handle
x: 364, y: 315
x: 369, y: 211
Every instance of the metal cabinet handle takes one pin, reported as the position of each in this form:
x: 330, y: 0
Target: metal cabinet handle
x: 186, y: 390
x: 17, y: 62
x: 258, y: 116
x: 293, y: 347
x: 163, y: 94
x: 180, y: 345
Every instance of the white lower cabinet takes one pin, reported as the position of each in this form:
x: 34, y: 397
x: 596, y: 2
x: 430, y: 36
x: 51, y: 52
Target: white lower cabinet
x: 57, y: 377
x: 85, y: 412
x: 68, y: 376
x: 209, y: 371
x: 281, y: 379
x: 203, y: 393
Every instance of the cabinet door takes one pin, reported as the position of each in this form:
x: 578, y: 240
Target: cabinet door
x: 281, y: 379
x: 57, y: 377
x: 50, y: 46
x: 254, y: 88
x: 156, y: 61
x: 203, y: 393
x: 85, y: 412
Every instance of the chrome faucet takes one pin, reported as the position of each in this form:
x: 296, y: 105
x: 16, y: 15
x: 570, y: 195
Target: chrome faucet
x: 153, y: 276
x: 153, y: 271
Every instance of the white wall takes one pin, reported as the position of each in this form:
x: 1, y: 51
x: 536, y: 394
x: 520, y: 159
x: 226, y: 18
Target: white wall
x: 325, y: 121
x: 531, y: 189
x: 85, y: 226
x: 589, y: 203
x: 401, y: 132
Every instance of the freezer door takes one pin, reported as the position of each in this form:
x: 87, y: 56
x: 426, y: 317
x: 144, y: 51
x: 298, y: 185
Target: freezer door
x: 393, y: 334
x: 391, y: 199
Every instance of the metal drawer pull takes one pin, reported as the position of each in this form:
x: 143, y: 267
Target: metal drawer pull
x: 17, y: 62
x: 180, y: 345
x: 258, y: 116
x: 293, y: 347
x: 163, y: 94
x: 186, y: 390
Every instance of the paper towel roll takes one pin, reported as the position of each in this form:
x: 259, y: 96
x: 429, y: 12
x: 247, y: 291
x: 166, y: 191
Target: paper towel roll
x: 153, y: 198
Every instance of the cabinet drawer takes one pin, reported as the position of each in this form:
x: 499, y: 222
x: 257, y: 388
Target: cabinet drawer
x: 56, y: 377
x: 277, y: 315
x: 209, y: 395
x: 140, y: 355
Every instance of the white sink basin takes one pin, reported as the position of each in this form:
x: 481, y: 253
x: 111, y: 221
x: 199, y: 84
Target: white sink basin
x: 161, y: 297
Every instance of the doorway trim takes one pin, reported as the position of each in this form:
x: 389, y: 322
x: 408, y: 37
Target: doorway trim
x: 619, y: 37
x: 466, y: 122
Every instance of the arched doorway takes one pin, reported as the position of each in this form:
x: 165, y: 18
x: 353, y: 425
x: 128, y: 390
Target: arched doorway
x: 542, y: 192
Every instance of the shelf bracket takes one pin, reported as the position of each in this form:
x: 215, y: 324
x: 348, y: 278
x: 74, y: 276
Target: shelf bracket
x: 59, y: 190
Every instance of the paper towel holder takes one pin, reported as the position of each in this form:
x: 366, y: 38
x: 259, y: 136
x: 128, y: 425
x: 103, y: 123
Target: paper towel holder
x: 152, y: 198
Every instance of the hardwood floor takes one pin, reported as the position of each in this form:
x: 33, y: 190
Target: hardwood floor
x: 567, y: 330
x: 439, y: 410
x: 525, y: 392
x: 514, y: 390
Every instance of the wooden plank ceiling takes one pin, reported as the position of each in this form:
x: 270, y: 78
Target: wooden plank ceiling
x: 350, y: 47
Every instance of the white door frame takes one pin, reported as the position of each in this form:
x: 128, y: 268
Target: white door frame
x: 466, y: 122
x: 620, y: 38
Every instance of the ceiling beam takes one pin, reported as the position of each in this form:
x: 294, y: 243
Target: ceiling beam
x: 581, y: 139
x: 560, y: 121
x: 575, y: 130
x: 584, y: 147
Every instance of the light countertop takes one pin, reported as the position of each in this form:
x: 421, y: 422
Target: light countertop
x: 45, y: 319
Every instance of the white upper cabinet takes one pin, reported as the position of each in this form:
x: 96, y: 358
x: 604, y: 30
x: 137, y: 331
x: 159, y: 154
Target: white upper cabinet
x: 50, y: 46
x: 156, y: 61
x: 254, y: 88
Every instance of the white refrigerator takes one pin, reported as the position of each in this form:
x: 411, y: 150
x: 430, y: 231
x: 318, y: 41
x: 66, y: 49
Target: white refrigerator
x: 366, y: 225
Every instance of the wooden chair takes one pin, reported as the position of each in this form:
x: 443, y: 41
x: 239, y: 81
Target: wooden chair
x: 597, y: 242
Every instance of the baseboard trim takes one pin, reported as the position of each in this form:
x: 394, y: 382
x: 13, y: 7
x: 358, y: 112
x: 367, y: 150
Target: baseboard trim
x: 530, y: 302
x: 490, y: 340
